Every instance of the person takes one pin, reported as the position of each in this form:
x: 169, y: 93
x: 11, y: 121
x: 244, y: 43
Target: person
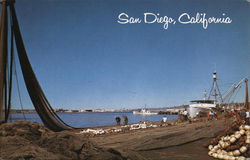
x: 248, y: 117
x: 208, y: 115
x: 185, y: 113
x: 211, y: 115
x: 197, y: 115
x: 181, y: 115
x: 125, y: 120
x: 164, y: 119
x: 118, y: 120
x: 215, y: 115
x: 242, y: 114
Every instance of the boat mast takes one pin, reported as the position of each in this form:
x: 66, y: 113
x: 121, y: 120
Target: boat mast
x: 214, y: 92
x: 247, y: 100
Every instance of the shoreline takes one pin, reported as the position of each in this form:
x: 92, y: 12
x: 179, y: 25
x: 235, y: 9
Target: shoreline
x: 34, y: 111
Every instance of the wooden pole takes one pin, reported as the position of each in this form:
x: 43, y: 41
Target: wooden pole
x: 3, y: 58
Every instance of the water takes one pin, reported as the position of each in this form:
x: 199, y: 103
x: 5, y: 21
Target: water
x: 91, y: 119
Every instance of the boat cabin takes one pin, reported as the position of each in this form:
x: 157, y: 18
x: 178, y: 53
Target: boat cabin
x: 198, y: 106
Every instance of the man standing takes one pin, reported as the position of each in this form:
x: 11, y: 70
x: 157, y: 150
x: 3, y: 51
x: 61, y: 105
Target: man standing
x: 125, y: 120
x: 248, y: 117
x: 118, y: 120
x: 185, y: 114
x: 211, y: 115
x: 164, y: 119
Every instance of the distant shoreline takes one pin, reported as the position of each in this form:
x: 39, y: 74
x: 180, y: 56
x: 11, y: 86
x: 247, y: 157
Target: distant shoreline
x: 34, y: 111
x: 163, y: 110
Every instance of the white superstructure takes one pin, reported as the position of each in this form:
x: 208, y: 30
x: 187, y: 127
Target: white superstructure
x: 144, y: 112
x: 198, y: 106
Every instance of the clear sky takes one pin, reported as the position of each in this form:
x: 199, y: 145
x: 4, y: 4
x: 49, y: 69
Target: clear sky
x: 85, y: 59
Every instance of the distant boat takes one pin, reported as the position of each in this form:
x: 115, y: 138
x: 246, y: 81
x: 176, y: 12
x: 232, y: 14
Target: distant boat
x: 144, y: 112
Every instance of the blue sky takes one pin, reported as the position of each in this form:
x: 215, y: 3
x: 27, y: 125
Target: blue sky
x: 84, y: 59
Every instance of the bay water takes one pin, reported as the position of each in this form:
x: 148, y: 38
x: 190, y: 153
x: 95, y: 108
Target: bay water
x: 93, y: 119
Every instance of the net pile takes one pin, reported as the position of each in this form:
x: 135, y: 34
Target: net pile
x: 232, y: 144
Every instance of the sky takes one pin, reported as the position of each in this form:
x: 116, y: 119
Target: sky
x: 84, y: 59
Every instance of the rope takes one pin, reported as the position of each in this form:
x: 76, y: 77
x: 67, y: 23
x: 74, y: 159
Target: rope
x: 233, y: 95
x: 10, y: 73
x: 18, y: 88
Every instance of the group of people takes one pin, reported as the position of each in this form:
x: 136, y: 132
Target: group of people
x: 125, y: 122
x: 243, y: 114
x: 118, y: 120
x: 184, y: 115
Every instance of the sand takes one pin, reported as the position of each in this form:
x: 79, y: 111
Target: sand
x: 27, y: 140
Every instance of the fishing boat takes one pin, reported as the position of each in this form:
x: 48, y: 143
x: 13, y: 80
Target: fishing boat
x: 205, y: 105
x: 144, y: 112
x: 214, y: 99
